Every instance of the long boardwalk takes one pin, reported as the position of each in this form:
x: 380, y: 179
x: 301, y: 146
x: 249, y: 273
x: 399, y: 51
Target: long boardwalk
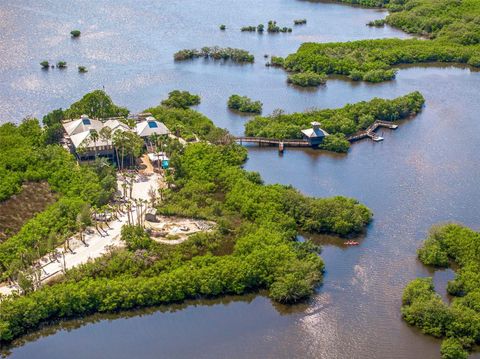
x: 273, y: 141
x: 368, y: 133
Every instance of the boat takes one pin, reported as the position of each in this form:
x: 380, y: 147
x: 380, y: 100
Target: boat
x: 352, y: 243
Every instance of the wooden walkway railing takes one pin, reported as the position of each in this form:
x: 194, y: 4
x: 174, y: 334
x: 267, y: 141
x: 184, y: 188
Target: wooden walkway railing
x: 273, y: 141
x: 369, y: 132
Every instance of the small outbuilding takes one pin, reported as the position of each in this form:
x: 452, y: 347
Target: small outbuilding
x: 159, y: 158
x: 314, y: 135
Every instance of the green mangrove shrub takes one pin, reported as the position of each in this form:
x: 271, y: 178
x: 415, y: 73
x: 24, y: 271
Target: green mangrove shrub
x: 248, y: 29
x: 307, y: 79
x: 215, y: 53
x: 458, y: 323
x: 75, y: 33
x: 375, y: 60
x: 181, y: 99
x: 272, y: 27
x: 299, y: 22
x: 376, y: 23
x: 244, y: 104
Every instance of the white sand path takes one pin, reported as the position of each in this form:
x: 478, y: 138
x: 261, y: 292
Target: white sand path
x: 96, y: 244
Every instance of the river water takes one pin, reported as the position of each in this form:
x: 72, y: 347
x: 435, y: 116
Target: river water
x: 424, y: 173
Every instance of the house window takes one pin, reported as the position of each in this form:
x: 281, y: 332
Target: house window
x: 152, y: 124
x: 86, y: 122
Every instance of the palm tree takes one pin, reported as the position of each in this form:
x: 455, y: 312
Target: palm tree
x: 84, y: 220
x: 94, y: 216
x: 131, y: 176
x: 157, y: 140
x: 106, y: 135
x: 152, y: 194
x: 106, y: 209
x: 124, y: 187
x: 119, y: 142
x: 128, y: 207
x: 94, y: 136
x: 134, y: 145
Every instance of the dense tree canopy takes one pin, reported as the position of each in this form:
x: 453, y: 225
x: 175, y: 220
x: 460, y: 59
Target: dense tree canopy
x: 181, y: 99
x: 372, y: 60
x: 95, y: 104
x: 24, y: 156
x: 244, y: 104
x: 188, y: 124
x: 422, y: 307
x: 453, y: 26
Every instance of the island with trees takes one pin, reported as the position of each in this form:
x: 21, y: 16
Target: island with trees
x: 458, y: 324
x: 215, y: 53
x: 244, y: 104
x: 339, y: 123
x: 252, y: 245
x: 452, y: 29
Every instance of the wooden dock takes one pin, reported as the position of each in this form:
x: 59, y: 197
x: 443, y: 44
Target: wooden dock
x: 263, y: 141
x: 370, y: 131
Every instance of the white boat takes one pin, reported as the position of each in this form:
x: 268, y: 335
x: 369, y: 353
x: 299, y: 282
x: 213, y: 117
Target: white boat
x: 378, y: 139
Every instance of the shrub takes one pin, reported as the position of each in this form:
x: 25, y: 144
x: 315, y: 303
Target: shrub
x: 222, y: 27
x: 277, y: 61
x: 459, y: 323
x: 260, y: 28
x: 45, y: 64
x: 272, y: 27
x: 181, y: 99
x: 300, y: 22
x: 215, y: 53
x: 377, y: 23
x: 356, y: 75
x: 136, y: 238
x: 248, y: 29
x: 82, y: 69
x: 432, y: 253
x: 61, y: 64
x: 379, y: 75
x: 290, y: 289
x: 336, y: 143
x: 75, y: 33
x: 96, y: 104
x: 244, y: 104
x: 474, y: 61
x: 453, y: 349
x: 307, y: 79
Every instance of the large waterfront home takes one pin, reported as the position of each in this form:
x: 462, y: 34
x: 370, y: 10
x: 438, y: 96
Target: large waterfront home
x: 86, y: 139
